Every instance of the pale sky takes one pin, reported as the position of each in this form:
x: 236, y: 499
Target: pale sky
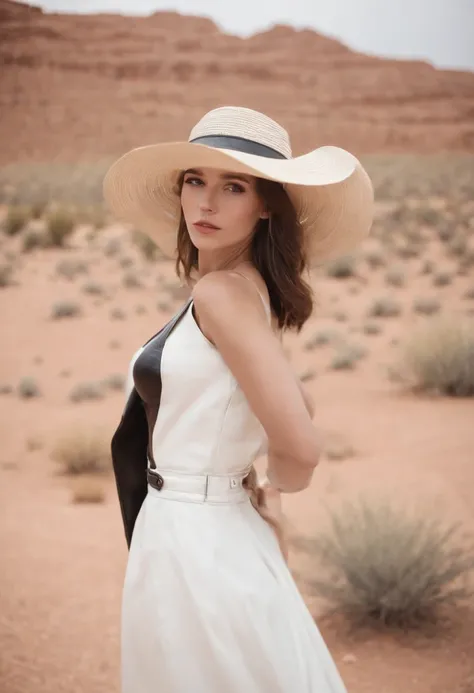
x: 440, y: 31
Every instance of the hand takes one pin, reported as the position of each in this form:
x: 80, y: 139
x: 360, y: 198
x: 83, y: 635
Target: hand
x: 272, y: 496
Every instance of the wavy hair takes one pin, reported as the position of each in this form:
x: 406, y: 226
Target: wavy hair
x: 277, y: 251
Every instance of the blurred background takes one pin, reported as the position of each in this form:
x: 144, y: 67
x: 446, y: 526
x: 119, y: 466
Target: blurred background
x: 382, y: 542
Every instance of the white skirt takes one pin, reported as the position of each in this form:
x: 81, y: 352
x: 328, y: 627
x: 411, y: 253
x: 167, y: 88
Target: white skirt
x: 209, y: 604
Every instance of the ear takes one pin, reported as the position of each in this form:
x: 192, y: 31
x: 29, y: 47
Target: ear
x: 265, y: 214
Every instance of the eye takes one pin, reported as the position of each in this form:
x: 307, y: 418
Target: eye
x: 193, y: 180
x: 235, y: 187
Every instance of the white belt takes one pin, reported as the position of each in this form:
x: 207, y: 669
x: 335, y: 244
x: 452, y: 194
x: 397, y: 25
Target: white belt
x: 201, y: 488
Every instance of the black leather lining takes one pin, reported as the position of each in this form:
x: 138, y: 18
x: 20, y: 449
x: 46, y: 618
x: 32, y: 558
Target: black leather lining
x: 129, y: 445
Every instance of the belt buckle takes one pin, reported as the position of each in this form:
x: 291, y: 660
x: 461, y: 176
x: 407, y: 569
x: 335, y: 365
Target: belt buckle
x: 155, y: 479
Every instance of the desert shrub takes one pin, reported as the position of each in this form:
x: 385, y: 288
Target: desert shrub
x: 395, y: 277
x: 6, y: 275
x: 87, y: 490
x: 70, y: 268
x: 28, y: 388
x: 342, y: 268
x: 371, y: 328
x: 320, y: 339
x: 117, y: 314
x: 346, y: 357
x: 384, y: 307
x: 131, y: 281
x: 381, y: 565
x: 93, y: 288
x: 374, y: 259
x: 427, y: 267
x: 426, y: 306
x: 442, y: 279
x: 308, y: 374
x: 115, y: 381
x: 82, y: 452
x: 32, y: 238
x: 146, y: 245
x: 60, y: 224
x: 16, y: 220
x: 84, y: 392
x: 65, y: 309
x: 439, y: 357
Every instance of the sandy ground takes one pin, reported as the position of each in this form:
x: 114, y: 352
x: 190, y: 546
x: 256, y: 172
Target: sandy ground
x: 63, y: 563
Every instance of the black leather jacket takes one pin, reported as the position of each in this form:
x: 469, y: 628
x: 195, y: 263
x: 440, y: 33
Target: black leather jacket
x: 129, y: 445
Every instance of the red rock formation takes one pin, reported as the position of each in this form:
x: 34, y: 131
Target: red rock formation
x: 86, y: 86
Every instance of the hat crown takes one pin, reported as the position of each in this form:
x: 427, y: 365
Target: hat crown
x: 236, y: 121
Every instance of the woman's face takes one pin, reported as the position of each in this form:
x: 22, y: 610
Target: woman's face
x: 220, y: 208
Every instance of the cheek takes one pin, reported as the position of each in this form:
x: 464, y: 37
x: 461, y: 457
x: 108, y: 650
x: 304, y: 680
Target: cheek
x: 245, y: 214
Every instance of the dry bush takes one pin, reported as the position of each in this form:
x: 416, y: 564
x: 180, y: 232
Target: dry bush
x: 33, y: 238
x: 371, y: 328
x: 442, y: 279
x: 65, y: 309
x: 82, y: 452
x: 346, y: 356
x: 28, y: 388
x: 87, y: 490
x: 16, y: 220
x: 395, y: 277
x: 342, y: 268
x: 71, y: 267
x: 426, y: 306
x: 321, y: 338
x: 59, y: 224
x: 377, y: 564
x: 439, y: 357
x: 147, y: 246
x: 374, y: 259
x: 6, y: 276
x: 384, y: 307
x: 85, y: 392
x: 131, y: 280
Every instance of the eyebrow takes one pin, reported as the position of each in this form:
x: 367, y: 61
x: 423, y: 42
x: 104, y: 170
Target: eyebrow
x: 225, y: 176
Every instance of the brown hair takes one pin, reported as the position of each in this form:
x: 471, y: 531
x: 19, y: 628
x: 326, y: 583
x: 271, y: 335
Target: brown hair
x: 277, y: 251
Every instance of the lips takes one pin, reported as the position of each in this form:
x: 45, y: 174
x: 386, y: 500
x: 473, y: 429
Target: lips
x: 205, y: 226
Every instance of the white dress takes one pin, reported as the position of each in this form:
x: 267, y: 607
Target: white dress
x: 209, y: 604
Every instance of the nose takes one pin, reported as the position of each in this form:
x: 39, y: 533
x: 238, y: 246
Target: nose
x: 207, y: 201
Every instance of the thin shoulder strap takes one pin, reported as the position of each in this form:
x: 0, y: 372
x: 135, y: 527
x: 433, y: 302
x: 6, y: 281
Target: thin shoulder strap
x: 265, y: 304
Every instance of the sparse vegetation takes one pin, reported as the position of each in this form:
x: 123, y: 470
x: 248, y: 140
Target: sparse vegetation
x: 87, y: 490
x: 6, y: 275
x: 384, y: 307
x: 28, y: 388
x: 65, y: 309
x: 395, y: 277
x: 342, y: 268
x: 60, y: 224
x: 70, y: 268
x: 87, y: 391
x: 377, y: 564
x: 16, y: 220
x: 439, y: 357
x: 426, y: 306
x: 81, y: 451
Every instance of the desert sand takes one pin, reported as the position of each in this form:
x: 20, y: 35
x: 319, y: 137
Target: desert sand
x: 134, y: 81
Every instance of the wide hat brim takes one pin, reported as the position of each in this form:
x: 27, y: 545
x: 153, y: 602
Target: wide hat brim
x: 329, y: 188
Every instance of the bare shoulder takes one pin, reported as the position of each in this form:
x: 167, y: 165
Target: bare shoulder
x: 223, y: 298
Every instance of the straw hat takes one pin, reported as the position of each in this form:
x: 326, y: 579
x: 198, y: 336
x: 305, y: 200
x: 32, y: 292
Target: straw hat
x: 328, y: 187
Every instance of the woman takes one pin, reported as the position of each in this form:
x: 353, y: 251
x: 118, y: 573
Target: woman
x: 209, y: 605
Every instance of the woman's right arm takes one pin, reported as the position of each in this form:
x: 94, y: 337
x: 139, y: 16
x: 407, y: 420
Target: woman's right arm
x: 232, y: 317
